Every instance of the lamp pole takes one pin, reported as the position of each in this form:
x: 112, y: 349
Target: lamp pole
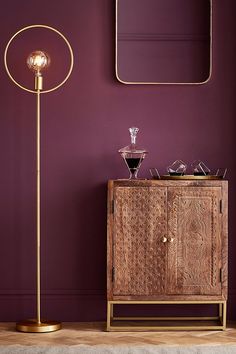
x: 38, y: 208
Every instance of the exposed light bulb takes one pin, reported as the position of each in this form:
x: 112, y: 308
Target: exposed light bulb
x: 38, y: 61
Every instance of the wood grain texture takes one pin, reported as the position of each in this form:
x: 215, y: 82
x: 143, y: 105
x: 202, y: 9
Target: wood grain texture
x: 168, y: 183
x: 168, y: 297
x: 187, y: 268
x: 194, y: 258
x: 224, y: 238
x: 110, y: 226
x: 139, y: 254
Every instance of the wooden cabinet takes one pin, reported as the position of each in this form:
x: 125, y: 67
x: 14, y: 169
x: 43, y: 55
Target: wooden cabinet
x: 167, y: 242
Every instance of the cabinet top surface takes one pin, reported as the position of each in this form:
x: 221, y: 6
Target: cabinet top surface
x: 168, y: 182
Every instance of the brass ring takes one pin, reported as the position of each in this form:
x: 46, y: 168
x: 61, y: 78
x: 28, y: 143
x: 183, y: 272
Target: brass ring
x: 67, y: 43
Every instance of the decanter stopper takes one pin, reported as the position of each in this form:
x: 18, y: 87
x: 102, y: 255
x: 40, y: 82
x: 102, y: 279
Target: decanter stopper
x: 133, y: 134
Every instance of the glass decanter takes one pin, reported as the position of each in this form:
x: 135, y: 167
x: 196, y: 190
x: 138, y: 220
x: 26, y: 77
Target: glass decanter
x: 178, y: 168
x: 200, y: 169
x: 132, y: 154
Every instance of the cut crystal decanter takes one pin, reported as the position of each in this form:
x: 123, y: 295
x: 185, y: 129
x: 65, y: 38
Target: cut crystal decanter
x: 200, y: 168
x: 178, y: 168
x: 132, y: 154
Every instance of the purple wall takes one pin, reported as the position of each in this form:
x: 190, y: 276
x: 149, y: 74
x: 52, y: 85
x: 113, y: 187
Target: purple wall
x: 83, y: 125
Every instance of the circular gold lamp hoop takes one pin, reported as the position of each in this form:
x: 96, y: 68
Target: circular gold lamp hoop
x: 49, y: 28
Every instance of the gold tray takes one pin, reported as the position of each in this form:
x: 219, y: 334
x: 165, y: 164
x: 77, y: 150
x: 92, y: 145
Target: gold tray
x: 191, y: 177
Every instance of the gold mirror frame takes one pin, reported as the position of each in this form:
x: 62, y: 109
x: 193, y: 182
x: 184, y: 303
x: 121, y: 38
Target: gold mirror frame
x: 163, y: 83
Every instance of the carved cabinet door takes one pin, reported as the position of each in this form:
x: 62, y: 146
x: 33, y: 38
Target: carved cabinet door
x: 139, y: 253
x: 194, y: 227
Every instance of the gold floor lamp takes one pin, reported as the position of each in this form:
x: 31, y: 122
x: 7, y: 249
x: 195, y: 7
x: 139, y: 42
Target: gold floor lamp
x: 37, y: 61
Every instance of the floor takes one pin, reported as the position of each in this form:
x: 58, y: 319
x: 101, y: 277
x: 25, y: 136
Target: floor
x: 94, y: 334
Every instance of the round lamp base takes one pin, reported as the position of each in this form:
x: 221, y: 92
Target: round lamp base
x: 32, y: 326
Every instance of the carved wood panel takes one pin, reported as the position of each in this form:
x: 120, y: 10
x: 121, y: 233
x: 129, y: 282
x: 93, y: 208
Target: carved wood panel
x: 139, y: 256
x: 194, y: 256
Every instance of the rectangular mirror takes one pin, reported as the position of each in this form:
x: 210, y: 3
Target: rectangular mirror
x: 163, y: 41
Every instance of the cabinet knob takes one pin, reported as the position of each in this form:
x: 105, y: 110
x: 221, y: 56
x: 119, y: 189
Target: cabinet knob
x: 170, y: 239
x: 164, y: 239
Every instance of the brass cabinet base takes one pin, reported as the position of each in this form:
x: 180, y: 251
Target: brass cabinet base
x: 199, y: 323
x: 32, y: 326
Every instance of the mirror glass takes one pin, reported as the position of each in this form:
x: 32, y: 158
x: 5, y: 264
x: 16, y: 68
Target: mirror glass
x: 163, y: 41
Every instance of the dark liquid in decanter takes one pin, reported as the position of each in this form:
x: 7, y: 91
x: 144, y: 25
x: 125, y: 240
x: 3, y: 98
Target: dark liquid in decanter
x: 133, y: 163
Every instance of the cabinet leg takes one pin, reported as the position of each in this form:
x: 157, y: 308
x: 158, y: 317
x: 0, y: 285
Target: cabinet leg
x: 111, y: 311
x: 221, y: 312
x: 109, y: 315
x: 224, y: 315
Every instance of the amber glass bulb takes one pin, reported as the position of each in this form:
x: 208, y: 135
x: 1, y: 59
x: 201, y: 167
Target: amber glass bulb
x: 38, y: 61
